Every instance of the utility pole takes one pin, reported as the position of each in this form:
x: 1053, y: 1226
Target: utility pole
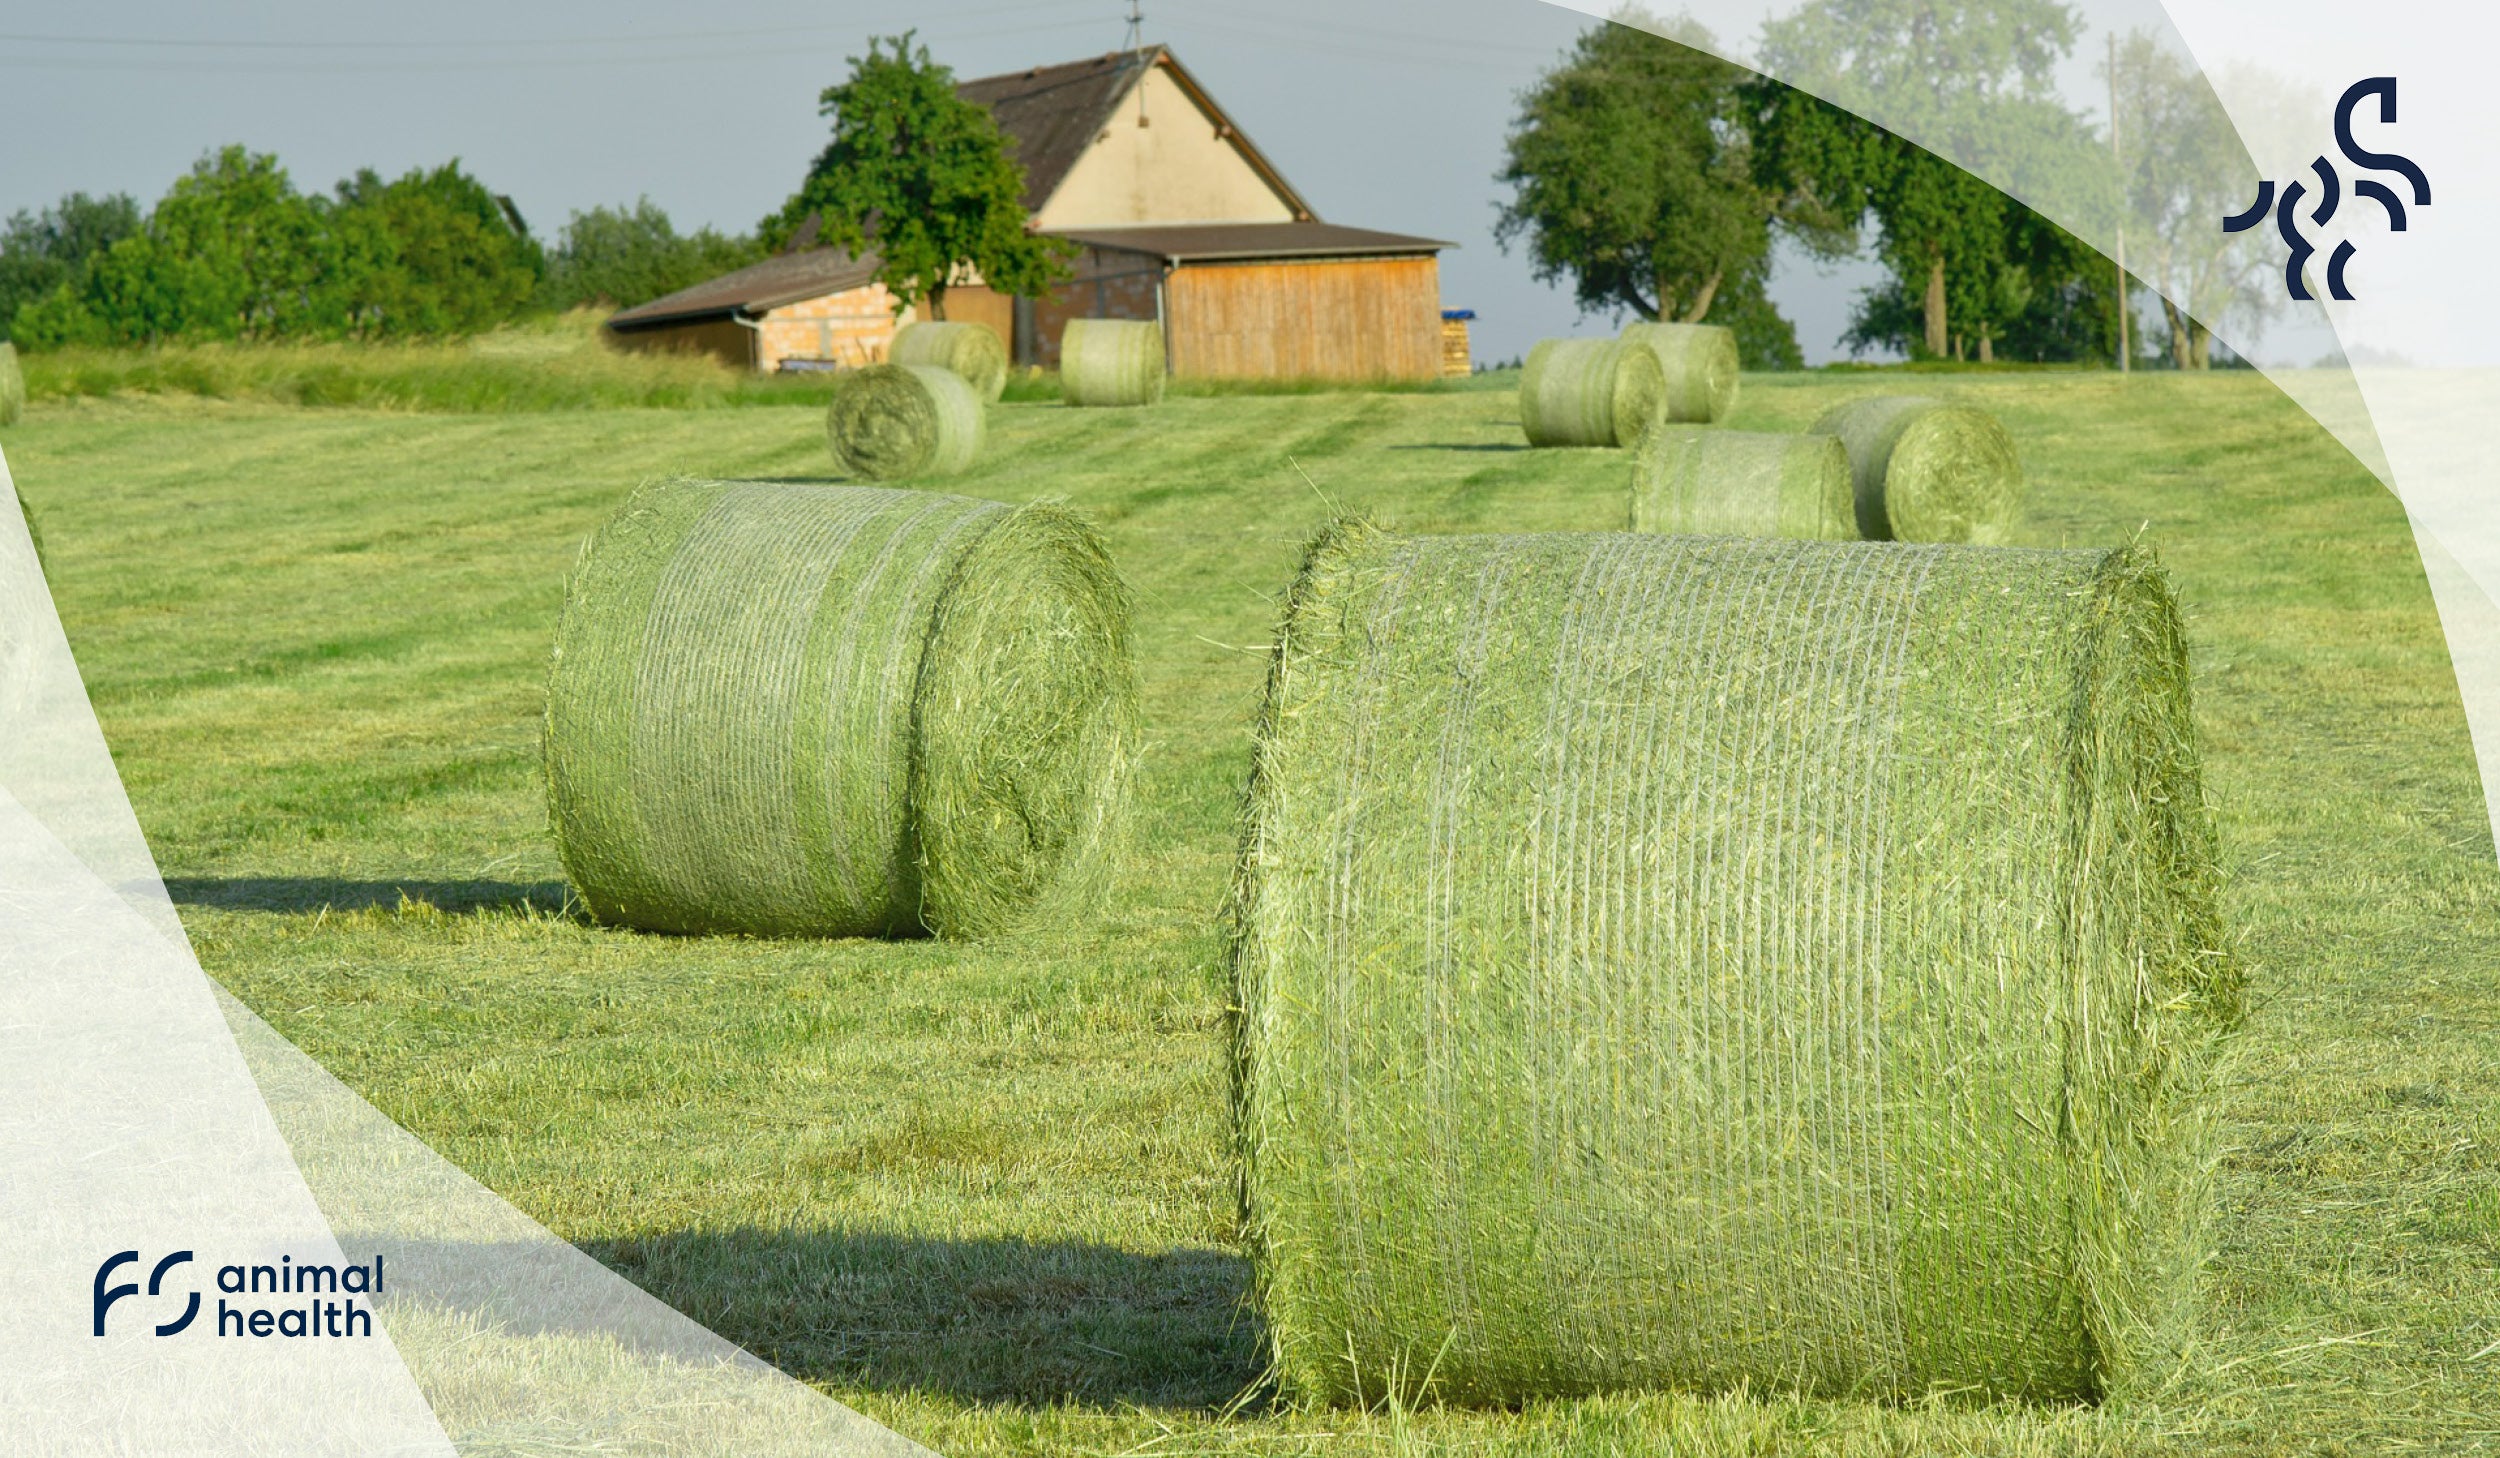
x: 2126, y: 352
x: 1136, y: 47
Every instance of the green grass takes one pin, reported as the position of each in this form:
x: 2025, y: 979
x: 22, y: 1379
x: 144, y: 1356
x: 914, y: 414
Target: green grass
x: 983, y: 1192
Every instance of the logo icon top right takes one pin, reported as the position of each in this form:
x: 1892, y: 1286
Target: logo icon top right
x: 2286, y: 206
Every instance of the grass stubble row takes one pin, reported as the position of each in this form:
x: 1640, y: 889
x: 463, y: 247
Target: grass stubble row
x: 1714, y: 962
x: 804, y: 710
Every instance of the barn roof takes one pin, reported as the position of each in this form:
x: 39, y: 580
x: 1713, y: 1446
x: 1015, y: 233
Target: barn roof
x: 1053, y: 114
x: 784, y: 278
x: 1242, y: 242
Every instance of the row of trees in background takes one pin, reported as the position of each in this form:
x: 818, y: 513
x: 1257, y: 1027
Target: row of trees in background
x: 1654, y: 178
x: 234, y: 251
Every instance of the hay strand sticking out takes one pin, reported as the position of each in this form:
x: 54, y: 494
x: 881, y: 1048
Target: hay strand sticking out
x: 1701, y: 961
x: 1701, y: 365
x: 891, y: 421
x: 799, y: 710
x: 12, y: 385
x: 1111, y: 362
x: 1741, y: 483
x: 1589, y: 392
x: 970, y: 350
x: 1926, y: 471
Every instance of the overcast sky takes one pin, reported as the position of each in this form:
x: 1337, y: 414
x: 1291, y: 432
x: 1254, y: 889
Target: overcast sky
x: 1384, y: 113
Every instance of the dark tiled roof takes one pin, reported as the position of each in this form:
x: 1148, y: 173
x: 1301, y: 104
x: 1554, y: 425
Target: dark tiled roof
x: 1052, y: 114
x: 784, y: 278
x: 1211, y: 242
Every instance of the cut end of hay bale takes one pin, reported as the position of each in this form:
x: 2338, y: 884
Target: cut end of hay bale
x: 1741, y: 483
x: 1701, y: 365
x: 1714, y: 963
x: 970, y: 350
x: 796, y: 710
x: 12, y: 385
x: 1928, y: 471
x: 892, y: 421
x: 1589, y: 392
x: 1111, y: 362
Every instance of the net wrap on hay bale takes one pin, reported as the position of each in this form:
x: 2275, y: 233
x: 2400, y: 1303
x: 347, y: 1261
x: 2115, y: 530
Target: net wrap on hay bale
x: 1111, y: 362
x: 970, y: 350
x: 1699, y: 961
x: 837, y: 711
x: 1928, y: 471
x: 1589, y: 392
x: 890, y: 421
x: 1741, y: 483
x: 12, y: 385
x: 1701, y: 365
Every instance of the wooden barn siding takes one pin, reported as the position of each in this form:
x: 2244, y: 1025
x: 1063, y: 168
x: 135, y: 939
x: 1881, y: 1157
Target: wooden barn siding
x: 1340, y: 319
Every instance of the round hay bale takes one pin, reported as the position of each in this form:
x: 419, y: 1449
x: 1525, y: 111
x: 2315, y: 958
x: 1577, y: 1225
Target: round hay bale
x: 970, y: 350
x: 891, y: 421
x: 12, y: 385
x: 1706, y: 962
x: 1926, y: 471
x: 1589, y: 392
x: 1741, y: 484
x: 1111, y: 362
x: 1701, y: 365
x: 796, y: 710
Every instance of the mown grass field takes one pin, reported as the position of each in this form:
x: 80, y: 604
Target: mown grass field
x: 982, y: 1193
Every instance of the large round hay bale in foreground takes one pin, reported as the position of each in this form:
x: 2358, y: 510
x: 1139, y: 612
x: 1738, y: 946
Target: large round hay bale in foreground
x: 12, y: 385
x: 973, y: 351
x: 1111, y: 362
x: 1589, y: 392
x: 1701, y: 364
x: 797, y: 710
x: 1926, y: 471
x: 1704, y: 962
x: 890, y: 421
x: 1741, y: 483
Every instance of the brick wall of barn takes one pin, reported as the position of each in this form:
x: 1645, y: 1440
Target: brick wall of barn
x: 1337, y: 319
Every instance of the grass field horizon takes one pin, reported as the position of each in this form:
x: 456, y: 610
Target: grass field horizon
x: 983, y: 1192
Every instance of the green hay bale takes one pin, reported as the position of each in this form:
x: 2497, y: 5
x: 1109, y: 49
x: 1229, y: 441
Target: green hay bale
x: 970, y: 350
x: 1741, y: 483
x: 1711, y: 962
x: 12, y: 385
x: 799, y: 710
x: 1589, y: 392
x: 1926, y: 471
x: 890, y: 421
x: 1701, y: 364
x: 1111, y: 362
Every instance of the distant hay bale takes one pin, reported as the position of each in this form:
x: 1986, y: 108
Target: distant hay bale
x: 12, y: 385
x: 891, y: 421
x: 1701, y: 364
x: 1708, y: 962
x: 1701, y: 482
x: 1589, y: 392
x: 970, y: 350
x: 1926, y: 471
x: 1111, y: 362
x: 796, y: 710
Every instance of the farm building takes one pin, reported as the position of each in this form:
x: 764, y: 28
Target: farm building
x: 1175, y: 215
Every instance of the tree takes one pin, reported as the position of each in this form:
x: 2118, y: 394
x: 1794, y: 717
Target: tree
x: 922, y: 177
x: 1970, y: 75
x: 39, y: 252
x: 1631, y: 176
x: 431, y: 253
x: 621, y: 257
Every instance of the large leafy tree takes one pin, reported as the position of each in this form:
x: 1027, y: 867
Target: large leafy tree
x: 621, y: 257
x: 1973, y: 76
x: 39, y: 252
x: 921, y: 177
x: 430, y: 253
x: 1631, y: 178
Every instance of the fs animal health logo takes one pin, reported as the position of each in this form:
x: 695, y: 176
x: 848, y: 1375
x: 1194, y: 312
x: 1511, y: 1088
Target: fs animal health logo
x: 2286, y: 208
x: 297, y: 1309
